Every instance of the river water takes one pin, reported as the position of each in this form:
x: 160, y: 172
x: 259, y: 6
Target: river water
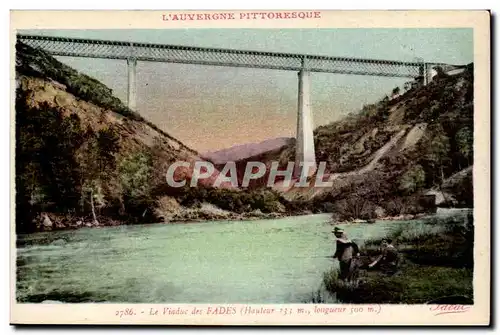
x: 266, y: 261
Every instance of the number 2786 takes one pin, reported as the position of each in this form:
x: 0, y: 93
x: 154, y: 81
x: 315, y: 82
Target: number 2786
x: 125, y: 312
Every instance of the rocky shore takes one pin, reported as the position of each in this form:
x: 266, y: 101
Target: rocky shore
x: 183, y: 215
x: 53, y: 221
x: 400, y: 217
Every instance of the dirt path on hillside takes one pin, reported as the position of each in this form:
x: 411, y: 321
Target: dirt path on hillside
x: 343, y: 178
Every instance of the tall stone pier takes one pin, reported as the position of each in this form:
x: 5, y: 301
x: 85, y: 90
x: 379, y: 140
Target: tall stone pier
x: 132, y: 86
x: 426, y: 73
x: 429, y: 72
x: 304, y: 152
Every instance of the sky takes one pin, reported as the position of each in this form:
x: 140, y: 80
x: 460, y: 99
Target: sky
x: 210, y: 108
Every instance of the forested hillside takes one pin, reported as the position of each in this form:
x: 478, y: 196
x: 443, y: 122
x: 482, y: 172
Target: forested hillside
x: 397, y: 149
x: 84, y: 159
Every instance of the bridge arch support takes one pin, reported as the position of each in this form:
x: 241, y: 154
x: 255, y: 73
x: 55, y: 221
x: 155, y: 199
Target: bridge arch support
x: 305, y: 157
x: 132, y: 83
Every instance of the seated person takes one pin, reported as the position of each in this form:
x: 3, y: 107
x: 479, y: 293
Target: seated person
x: 388, y: 259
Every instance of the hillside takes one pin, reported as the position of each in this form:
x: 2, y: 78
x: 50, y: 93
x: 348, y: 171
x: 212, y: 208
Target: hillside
x: 384, y: 157
x: 84, y: 159
x: 80, y: 150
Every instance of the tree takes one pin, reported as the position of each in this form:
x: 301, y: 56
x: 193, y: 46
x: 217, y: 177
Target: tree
x: 135, y: 173
x: 46, y: 169
x: 438, y: 153
x: 395, y: 92
x: 97, y: 167
x: 408, y: 86
x: 90, y: 174
x: 108, y: 145
x: 464, y: 139
x: 435, y: 110
x: 412, y: 180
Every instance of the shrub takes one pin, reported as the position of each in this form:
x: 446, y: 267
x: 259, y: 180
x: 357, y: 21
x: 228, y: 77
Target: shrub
x: 412, y: 180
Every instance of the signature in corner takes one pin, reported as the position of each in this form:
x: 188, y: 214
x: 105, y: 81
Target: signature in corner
x: 451, y: 304
x: 449, y: 309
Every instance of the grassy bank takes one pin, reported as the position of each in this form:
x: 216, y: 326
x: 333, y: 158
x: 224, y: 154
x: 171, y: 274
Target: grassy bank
x: 436, y: 266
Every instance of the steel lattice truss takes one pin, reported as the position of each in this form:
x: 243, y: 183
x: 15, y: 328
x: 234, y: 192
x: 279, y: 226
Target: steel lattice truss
x: 76, y: 47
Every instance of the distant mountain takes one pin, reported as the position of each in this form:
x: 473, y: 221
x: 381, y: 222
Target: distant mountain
x: 244, y: 151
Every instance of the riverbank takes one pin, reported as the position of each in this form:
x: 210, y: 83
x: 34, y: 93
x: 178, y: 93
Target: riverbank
x: 48, y: 221
x: 400, y: 217
x: 440, y: 212
x: 53, y: 221
x: 436, y: 265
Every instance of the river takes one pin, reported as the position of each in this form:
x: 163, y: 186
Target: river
x: 265, y: 261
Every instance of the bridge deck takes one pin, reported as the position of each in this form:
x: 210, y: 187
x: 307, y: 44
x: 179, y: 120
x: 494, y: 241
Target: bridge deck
x: 93, y: 48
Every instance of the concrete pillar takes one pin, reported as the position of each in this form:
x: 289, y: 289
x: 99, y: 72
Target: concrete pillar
x: 429, y: 73
x: 426, y: 73
x: 304, y: 152
x: 132, y: 86
x: 421, y: 75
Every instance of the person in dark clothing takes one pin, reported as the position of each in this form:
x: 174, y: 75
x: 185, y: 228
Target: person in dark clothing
x: 346, y: 253
x: 388, y: 260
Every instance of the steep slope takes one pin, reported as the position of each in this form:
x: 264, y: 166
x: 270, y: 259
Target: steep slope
x: 80, y: 152
x: 392, y: 152
x: 84, y: 158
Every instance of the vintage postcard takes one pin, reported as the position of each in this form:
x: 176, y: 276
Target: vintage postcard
x: 250, y: 167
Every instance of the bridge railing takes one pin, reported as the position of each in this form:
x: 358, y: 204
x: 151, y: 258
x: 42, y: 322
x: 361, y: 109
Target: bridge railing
x: 77, y: 47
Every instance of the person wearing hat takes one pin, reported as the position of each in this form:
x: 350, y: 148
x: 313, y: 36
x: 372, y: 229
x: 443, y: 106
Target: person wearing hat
x: 345, y: 253
x: 388, y: 259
